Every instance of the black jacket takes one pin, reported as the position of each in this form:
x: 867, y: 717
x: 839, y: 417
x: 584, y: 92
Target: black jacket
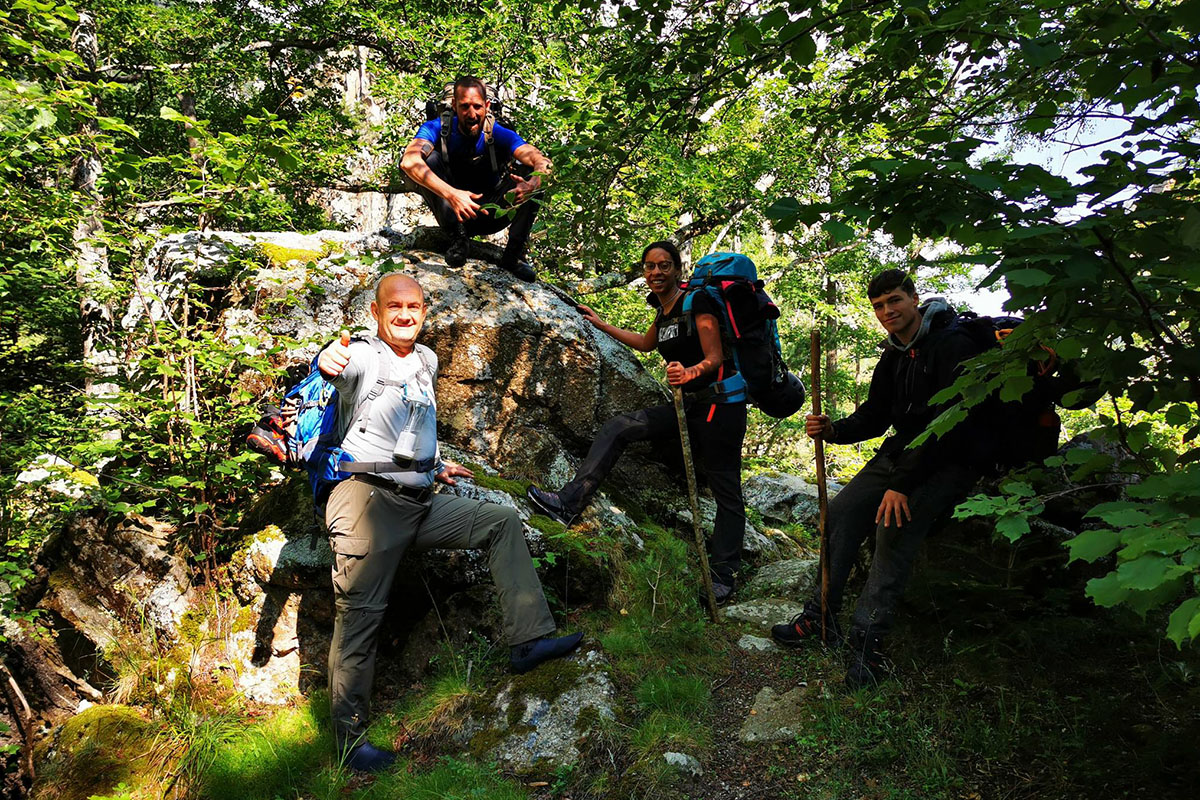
x: 901, y: 386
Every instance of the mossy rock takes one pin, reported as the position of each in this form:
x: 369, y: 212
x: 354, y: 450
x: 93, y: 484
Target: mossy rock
x: 97, y: 750
x: 279, y: 256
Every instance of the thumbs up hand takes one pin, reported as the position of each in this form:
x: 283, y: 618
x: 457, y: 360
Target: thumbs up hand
x: 335, y: 357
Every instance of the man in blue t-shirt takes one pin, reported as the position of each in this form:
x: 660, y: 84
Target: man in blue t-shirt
x: 459, y: 176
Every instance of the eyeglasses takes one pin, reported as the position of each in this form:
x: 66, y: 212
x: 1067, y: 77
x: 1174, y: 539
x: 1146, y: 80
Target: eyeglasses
x: 661, y: 266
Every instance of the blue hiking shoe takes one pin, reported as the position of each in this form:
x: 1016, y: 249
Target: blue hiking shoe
x: 525, y: 657
x: 366, y: 757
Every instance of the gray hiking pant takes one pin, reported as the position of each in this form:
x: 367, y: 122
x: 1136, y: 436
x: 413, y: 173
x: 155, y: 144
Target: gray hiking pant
x: 852, y: 518
x: 371, y: 528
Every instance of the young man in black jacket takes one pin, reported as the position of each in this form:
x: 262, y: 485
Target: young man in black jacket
x: 901, y: 492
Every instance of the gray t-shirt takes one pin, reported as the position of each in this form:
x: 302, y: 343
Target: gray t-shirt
x: 411, y: 383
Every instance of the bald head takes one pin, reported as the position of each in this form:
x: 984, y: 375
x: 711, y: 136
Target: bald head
x: 395, y: 281
x: 399, y: 309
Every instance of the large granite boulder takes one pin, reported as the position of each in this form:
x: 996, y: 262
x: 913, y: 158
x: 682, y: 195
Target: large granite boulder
x: 522, y: 376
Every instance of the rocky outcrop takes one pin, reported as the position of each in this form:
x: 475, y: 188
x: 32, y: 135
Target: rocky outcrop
x: 522, y: 377
x: 523, y: 384
x: 542, y: 719
x: 784, y: 499
x: 790, y: 578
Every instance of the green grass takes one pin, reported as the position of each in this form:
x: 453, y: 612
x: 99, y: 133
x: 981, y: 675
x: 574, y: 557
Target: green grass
x: 290, y: 749
x: 682, y: 694
x: 661, y: 731
x: 450, y: 779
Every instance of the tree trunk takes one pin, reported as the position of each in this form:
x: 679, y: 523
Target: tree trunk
x: 830, y: 339
x: 92, y: 270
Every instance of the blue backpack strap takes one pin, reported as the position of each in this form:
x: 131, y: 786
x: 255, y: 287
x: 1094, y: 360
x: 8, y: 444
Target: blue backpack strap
x: 730, y: 390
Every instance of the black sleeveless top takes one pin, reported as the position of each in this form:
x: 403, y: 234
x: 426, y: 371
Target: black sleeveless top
x: 679, y: 341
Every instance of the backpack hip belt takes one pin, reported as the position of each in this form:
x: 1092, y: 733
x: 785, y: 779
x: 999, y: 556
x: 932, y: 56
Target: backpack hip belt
x: 729, y: 390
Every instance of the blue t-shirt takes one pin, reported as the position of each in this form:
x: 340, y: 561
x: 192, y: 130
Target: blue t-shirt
x: 507, y: 140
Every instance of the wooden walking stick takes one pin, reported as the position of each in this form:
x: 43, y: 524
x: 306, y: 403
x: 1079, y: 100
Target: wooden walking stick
x: 822, y: 495
x: 690, y: 469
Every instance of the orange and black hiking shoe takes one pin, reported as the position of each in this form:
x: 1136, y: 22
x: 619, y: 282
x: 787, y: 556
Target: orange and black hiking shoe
x: 806, y: 627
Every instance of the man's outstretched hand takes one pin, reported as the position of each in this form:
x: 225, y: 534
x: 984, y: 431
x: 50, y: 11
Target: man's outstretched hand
x: 451, y: 471
x: 333, y: 359
x: 893, y: 504
x: 524, y: 187
x: 464, y: 205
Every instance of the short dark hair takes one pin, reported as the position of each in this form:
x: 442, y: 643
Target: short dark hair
x: 890, y: 280
x: 470, y: 82
x: 669, y: 247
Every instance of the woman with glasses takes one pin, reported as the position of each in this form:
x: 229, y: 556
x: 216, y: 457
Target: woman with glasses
x: 691, y: 344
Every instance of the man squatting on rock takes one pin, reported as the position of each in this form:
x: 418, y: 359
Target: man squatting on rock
x: 373, y: 519
x: 457, y: 183
x: 901, y: 493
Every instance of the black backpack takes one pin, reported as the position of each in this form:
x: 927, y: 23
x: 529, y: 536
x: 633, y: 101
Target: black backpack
x: 1025, y: 430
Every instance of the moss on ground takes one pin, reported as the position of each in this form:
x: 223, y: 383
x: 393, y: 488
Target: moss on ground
x: 482, y: 478
x: 97, y: 750
x: 279, y: 256
x: 546, y: 526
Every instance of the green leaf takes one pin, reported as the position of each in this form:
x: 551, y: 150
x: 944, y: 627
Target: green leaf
x: 1091, y: 545
x: 840, y: 231
x: 1121, y: 515
x: 1178, y: 415
x: 783, y: 208
x: 1107, y: 591
x: 1189, y: 229
x: 43, y: 118
x: 1016, y: 388
x: 1149, y: 572
x: 1029, y: 276
x: 803, y: 50
x: 168, y: 113
x: 1012, y: 526
x: 1040, y: 54
x: 1184, y: 623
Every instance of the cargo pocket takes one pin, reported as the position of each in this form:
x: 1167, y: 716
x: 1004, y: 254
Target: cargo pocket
x: 348, y: 553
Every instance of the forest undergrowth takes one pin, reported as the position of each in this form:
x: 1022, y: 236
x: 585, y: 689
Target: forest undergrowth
x: 1006, y: 684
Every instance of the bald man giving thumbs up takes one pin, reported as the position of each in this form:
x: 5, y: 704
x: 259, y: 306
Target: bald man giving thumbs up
x: 375, y: 517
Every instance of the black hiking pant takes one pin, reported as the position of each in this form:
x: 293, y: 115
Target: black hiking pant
x: 519, y: 223
x: 852, y: 518
x: 716, y: 449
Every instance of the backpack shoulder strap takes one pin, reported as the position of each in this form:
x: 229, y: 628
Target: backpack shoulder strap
x: 362, y: 411
x: 489, y: 142
x: 426, y: 355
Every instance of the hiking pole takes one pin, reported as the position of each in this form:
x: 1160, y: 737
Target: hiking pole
x: 690, y: 469
x: 822, y: 495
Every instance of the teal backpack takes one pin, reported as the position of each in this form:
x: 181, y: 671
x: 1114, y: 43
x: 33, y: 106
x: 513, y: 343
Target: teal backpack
x: 748, y: 328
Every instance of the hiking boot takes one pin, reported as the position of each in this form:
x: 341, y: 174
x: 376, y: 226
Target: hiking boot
x: 520, y: 269
x: 366, y: 757
x: 867, y: 664
x: 722, y: 593
x: 456, y: 253
x: 525, y: 657
x: 550, y: 504
x: 806, y: 627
